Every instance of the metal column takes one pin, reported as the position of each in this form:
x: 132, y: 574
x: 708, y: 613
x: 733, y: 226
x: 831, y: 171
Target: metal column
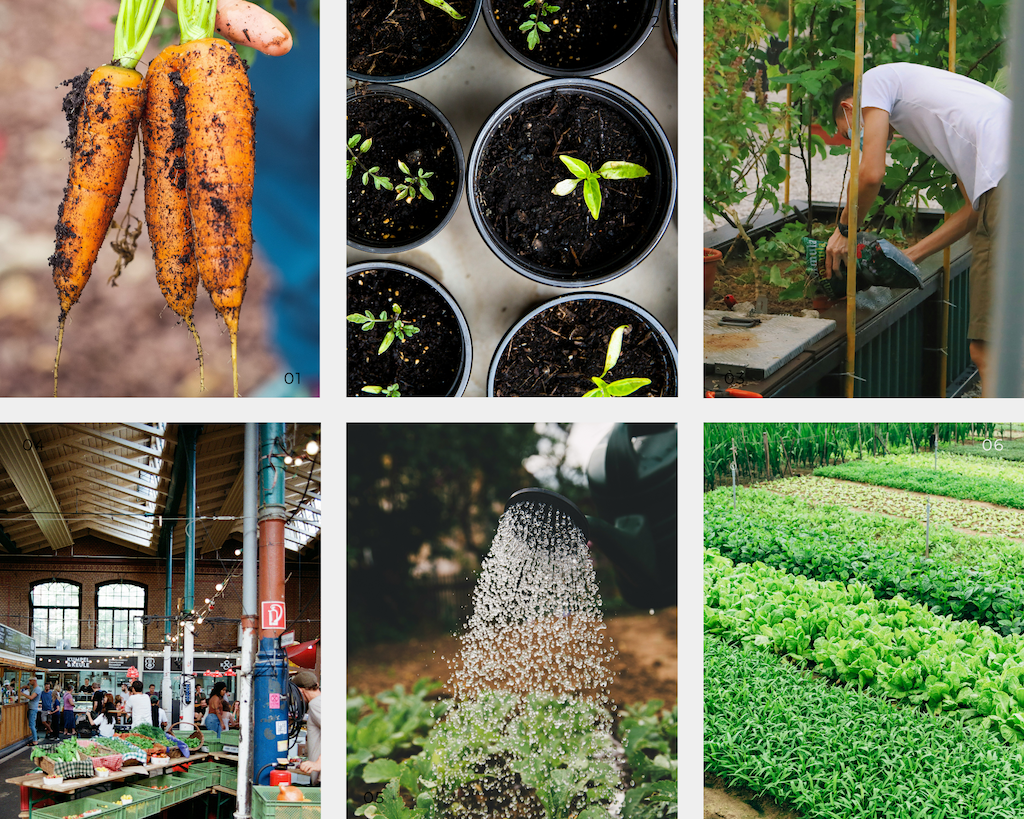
x: 249, y: 606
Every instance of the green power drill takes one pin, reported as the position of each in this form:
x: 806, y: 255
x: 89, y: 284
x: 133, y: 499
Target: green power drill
x: 878, y: 263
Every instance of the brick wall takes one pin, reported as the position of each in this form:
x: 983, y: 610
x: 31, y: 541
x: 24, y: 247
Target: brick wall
x: 92, y: 561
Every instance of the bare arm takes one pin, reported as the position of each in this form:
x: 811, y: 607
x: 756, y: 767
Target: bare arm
x: 869, y: 178
x: 955, y: 227
x: 248, y: 24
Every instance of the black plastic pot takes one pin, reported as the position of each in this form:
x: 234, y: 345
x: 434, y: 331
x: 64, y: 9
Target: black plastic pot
x: 417, y: 237
x: 637, y: 16
x: 672, y: 29
x: 662, y: 174
x: 471, y: 19
x: 464, y: 363
x: 659, y: 337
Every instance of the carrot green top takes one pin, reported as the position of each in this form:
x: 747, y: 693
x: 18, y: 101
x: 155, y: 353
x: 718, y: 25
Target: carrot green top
x: 196, y: 19
x: 135, y: 22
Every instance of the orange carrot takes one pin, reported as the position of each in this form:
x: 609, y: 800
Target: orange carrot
x: 104, y: 112
x: 220, y: 168
x: 167, y: 215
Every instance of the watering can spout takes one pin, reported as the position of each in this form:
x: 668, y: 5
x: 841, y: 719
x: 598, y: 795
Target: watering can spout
x: 545, y: 497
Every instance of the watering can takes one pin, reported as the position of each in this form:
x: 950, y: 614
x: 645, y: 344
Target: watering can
x: 632, y: 477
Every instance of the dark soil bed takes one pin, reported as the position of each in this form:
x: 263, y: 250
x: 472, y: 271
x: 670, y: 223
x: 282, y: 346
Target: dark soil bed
x: 402, y: 131
x: 426, y: 363
x: 520, y: 166
x: 736, y: 278
x: 393, y: 37
x: 583, y: 32
x: 558, y: 351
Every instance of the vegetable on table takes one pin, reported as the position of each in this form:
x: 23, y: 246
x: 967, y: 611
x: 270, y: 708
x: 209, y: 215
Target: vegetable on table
x: 104, y: 109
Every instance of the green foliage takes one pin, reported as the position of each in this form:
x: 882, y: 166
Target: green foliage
x: 390, y: 391
x: 441, y: 4
x: 898, y: 649
x: 624, y: 386
x: 591, y: 179
x: 413, y: 186
x: 357, y: 146
x: 397, y: 328
x: 954, y: 478
x: 831, y: 751
x: 970, y: 578
x: 535, y: 25
x: 743, y: 130
x: 650, y: 739
x: 66, y: 751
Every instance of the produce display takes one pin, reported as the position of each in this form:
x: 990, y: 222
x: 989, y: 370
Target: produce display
x: 959, y: 513
x: 832, y: 543
x: 92, y: 750
x: 1001, y: 484
x: 66, y: 751
x: 115, y: 744
x: 192, y: 742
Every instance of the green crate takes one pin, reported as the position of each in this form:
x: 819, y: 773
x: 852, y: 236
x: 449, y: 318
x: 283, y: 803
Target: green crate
x: 171, y: 787
x: 229, y: 777
x: 144, y: 802
x: 266, y: 806
x: 213, y: 745
x: 77, y: 806
x: 208, y: 771
x: 231, y: 736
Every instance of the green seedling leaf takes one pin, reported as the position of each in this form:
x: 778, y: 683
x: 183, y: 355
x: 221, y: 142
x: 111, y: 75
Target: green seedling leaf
x: 367, y: 144
x: 592, y: 196
x: 565, y: 187
x: 389, y: 339
x: 611, y: 357
x: 577, y: 167
x: 353, y: 141
x: 440, y: 4
x: 622, y: 170
x: 626, y: 386
x: 403, y: 167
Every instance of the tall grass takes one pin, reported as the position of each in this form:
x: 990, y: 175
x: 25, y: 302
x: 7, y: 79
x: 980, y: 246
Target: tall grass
x: 765, y: 451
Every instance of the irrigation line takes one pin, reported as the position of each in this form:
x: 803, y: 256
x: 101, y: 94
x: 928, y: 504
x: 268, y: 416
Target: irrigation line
x: 853, y: 220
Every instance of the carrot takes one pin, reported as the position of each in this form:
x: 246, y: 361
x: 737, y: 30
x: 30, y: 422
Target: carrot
x: 219, y: 161
x: 104, y: 111
x: 167, y: 215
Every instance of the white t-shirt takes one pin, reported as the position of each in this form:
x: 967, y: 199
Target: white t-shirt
x: 104, y: 726
x: 963, y: 123
x: 141, y: 709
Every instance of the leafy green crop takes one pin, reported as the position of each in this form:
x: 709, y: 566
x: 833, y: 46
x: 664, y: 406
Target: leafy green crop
x: 836, y: 753
x: 650, y: 739
x: 66, y: 751
x: 899, y: 649
x: 831, y: 543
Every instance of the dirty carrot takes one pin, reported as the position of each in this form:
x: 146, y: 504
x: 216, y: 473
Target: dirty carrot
x: 168, y: 218
x: 219, y: 161
x: 103, y: 109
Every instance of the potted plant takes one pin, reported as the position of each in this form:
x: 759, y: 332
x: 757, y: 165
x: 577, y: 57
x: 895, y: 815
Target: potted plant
x: 406, y: 334
x: 554, y: 185
x: 711, y: 259
x: 584, y: 344
x: 405, y: 169
x: 570, y: 38
x: 395, y: 42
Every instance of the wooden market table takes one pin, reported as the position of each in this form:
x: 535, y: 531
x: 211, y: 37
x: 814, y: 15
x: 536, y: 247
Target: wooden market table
x: 34, y: 791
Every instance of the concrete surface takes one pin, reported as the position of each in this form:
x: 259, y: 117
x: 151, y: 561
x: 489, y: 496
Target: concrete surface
x: 466, y: 89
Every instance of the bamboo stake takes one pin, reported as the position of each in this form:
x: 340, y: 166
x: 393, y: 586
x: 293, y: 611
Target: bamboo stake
x: 854, y: 216
x: 946, y: 277
x: 789, y: 104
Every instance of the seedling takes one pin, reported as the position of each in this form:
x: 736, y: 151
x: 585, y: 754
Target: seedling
x: 357, y: 149
x: 440, y: 4
x: 397, y: 328
x: 413, y: 186
x: 534, y: 26
x: 624, y: 386
x: 591, y: 179
x: 390, y: 391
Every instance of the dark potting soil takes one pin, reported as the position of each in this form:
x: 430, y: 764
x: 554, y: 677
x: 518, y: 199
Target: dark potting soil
x: 584, y: 33
x: 402, y: 131
x: 520, y: 166
x: 426, y: 363
x: 557, y: 352
x: 391, y: 37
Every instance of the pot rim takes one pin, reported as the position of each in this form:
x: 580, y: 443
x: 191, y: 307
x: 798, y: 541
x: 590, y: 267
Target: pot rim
x: 643, y: 31
x: 460, y: 158
x: 473, y: 16
x: 672, y: 356
x: 462, y: 376
x: 630, y: 107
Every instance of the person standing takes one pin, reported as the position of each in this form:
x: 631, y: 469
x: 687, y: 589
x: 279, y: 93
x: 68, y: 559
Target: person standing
x: 310, y: 689
x: 46, y: 707
x: 139, y: 707
x: 35, y: 691
x: 216, y: 718
x: 69, y: 711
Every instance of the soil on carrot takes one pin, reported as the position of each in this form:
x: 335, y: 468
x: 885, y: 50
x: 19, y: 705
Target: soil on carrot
x: 558, y: 351
x: 426, y: 363
x: 400, y: 131
x: 583, y: 33
x: 392, y: 37
x: 521, y: 165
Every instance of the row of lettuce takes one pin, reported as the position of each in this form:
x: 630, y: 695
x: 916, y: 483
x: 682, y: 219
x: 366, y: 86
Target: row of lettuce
x: 915, y: 706
x: 402, y: 742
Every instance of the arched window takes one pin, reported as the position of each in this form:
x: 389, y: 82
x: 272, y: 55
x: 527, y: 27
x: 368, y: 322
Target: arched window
x: 56, y: 608
x: 119, y: 607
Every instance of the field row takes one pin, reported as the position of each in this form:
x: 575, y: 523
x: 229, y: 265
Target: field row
x: 968, y: 577
x: 959, y: 513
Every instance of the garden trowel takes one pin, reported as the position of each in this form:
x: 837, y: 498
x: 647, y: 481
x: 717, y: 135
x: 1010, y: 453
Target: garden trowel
x: 878, y: 263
